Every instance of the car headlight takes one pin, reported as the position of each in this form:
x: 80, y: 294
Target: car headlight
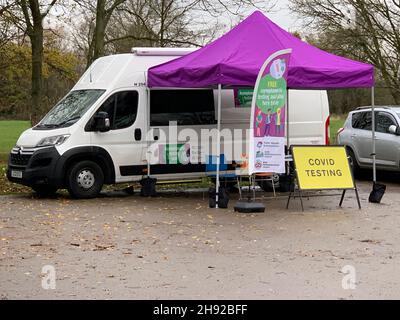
x: 53, y: 141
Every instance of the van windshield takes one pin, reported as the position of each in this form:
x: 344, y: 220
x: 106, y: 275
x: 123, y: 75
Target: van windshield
x: 70, y: 109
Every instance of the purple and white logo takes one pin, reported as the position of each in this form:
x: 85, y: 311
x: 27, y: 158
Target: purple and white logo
x: 278, y: 68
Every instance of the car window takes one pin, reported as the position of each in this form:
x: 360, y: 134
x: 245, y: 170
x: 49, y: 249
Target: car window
x: 362, y: 120
x: 383, y: 121
x: 121, y: 108
x: 356, y: 119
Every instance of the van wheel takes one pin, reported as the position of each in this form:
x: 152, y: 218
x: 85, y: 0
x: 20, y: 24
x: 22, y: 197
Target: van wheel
x: 229, y: 184
x: 85, y: 180
x: 266, y: 185
x: 44, y: 190
x: 353, y: 162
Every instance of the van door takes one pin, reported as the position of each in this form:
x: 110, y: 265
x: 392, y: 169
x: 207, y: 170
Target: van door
x: 387, y: 150
x: 125, y: 142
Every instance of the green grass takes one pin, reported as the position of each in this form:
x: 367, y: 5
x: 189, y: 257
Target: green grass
x: 11, y: 130
x: 336, y: 123
x: 9, y: 133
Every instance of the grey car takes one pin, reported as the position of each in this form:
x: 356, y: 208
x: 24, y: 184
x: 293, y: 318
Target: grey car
x: 356, y: 135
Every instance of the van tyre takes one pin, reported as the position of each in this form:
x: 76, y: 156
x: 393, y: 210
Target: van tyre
x: 44, y: 191
x: 85, y: 180
x: 266, y: 185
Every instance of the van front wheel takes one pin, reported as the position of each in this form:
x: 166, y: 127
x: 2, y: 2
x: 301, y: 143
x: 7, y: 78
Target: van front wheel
x: 85, y: 180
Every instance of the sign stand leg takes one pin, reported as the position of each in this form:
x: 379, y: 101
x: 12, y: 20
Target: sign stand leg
x: 301, y: 200
x: 358, y: 198
x: 288, y: 201
x: 341, y: 200
x: 292, y: 194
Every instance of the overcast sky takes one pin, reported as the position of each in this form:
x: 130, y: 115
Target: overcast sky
x: 283, y: 17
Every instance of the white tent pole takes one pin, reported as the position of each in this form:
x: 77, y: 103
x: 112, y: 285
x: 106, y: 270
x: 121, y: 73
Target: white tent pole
x: 287, y: 129
x: 218, y: 143
x: 373, y: 134
x: 148, y: 136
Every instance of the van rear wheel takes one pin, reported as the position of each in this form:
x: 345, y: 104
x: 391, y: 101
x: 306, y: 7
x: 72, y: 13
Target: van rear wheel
x: 85, y: 180
x: 266, y: 185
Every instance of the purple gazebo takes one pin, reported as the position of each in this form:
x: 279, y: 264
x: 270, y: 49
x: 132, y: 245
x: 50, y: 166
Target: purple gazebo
x: 235, y: 60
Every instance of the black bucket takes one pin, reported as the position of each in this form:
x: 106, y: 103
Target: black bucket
x: 378, y: 190
x: 223, y: 198
x: 148, y: 187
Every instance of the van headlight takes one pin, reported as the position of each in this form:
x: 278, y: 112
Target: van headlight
x: 53, y: 141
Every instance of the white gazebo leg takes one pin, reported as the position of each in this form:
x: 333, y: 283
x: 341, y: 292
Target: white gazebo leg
x: 287, y: 131
x: 373, y: 134
x: 218, y: 144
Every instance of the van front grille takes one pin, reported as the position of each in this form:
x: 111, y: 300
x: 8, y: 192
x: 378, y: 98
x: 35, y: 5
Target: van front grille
x: 18, y: 159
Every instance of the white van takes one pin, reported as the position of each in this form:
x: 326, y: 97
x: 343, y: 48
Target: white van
x: 98, y: 133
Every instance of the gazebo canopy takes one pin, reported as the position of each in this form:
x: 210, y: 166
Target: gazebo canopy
x: 236, y: 58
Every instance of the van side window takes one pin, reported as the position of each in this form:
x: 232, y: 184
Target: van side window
x: 121, y: 108
x: 362, y: 120
x: 186, y: 107
x: 384, y: 121
x: 108, y: 107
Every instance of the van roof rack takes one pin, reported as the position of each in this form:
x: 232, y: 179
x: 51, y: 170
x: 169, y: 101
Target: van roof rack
x: 162, y: 51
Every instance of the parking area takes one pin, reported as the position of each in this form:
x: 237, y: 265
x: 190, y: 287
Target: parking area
x: 175, y: 247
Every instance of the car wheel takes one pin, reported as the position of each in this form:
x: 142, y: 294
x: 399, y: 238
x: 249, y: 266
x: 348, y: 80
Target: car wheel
x: 85, y: 180
x: 44, y: 190
x: 353, y: 162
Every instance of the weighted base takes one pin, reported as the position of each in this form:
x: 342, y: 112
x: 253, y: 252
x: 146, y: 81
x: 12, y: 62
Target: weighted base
x: 148, y: 187
x: 378, y: 190
x: 249, y: 207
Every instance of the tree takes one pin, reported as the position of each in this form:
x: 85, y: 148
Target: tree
x: 59, y: 75
x: 8, y: 31
x: 367, y: 30
x: 102, y: 11
x: 156, y: 22
x: 28, y: 16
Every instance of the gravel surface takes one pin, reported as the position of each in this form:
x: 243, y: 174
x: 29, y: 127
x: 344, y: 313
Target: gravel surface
x: 175, y: 247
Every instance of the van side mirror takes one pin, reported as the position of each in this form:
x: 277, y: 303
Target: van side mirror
x: 394, y: 130
x: 101, y: 122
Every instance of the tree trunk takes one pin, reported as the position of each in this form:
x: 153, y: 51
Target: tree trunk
x: 98, y: 42
x: 37, y: 63
x: 396, y: 95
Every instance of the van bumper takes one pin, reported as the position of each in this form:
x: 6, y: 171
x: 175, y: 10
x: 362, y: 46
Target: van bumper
x: 35, y: 167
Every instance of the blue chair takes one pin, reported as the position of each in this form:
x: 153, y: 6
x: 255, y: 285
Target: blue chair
x: 211, y: 167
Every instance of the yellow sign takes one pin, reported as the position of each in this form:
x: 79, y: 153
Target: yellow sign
x: 322, y: 167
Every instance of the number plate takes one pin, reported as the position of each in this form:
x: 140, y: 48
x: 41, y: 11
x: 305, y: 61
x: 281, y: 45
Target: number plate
x: 16, y: 174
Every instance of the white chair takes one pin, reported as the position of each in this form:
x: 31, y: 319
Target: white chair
x: 268, y: 176
x: 242, y: 172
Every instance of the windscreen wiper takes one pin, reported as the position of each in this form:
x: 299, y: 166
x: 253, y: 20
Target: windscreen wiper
x: 66, y: 121
x: 46, y: 125
x: 56, y: 125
